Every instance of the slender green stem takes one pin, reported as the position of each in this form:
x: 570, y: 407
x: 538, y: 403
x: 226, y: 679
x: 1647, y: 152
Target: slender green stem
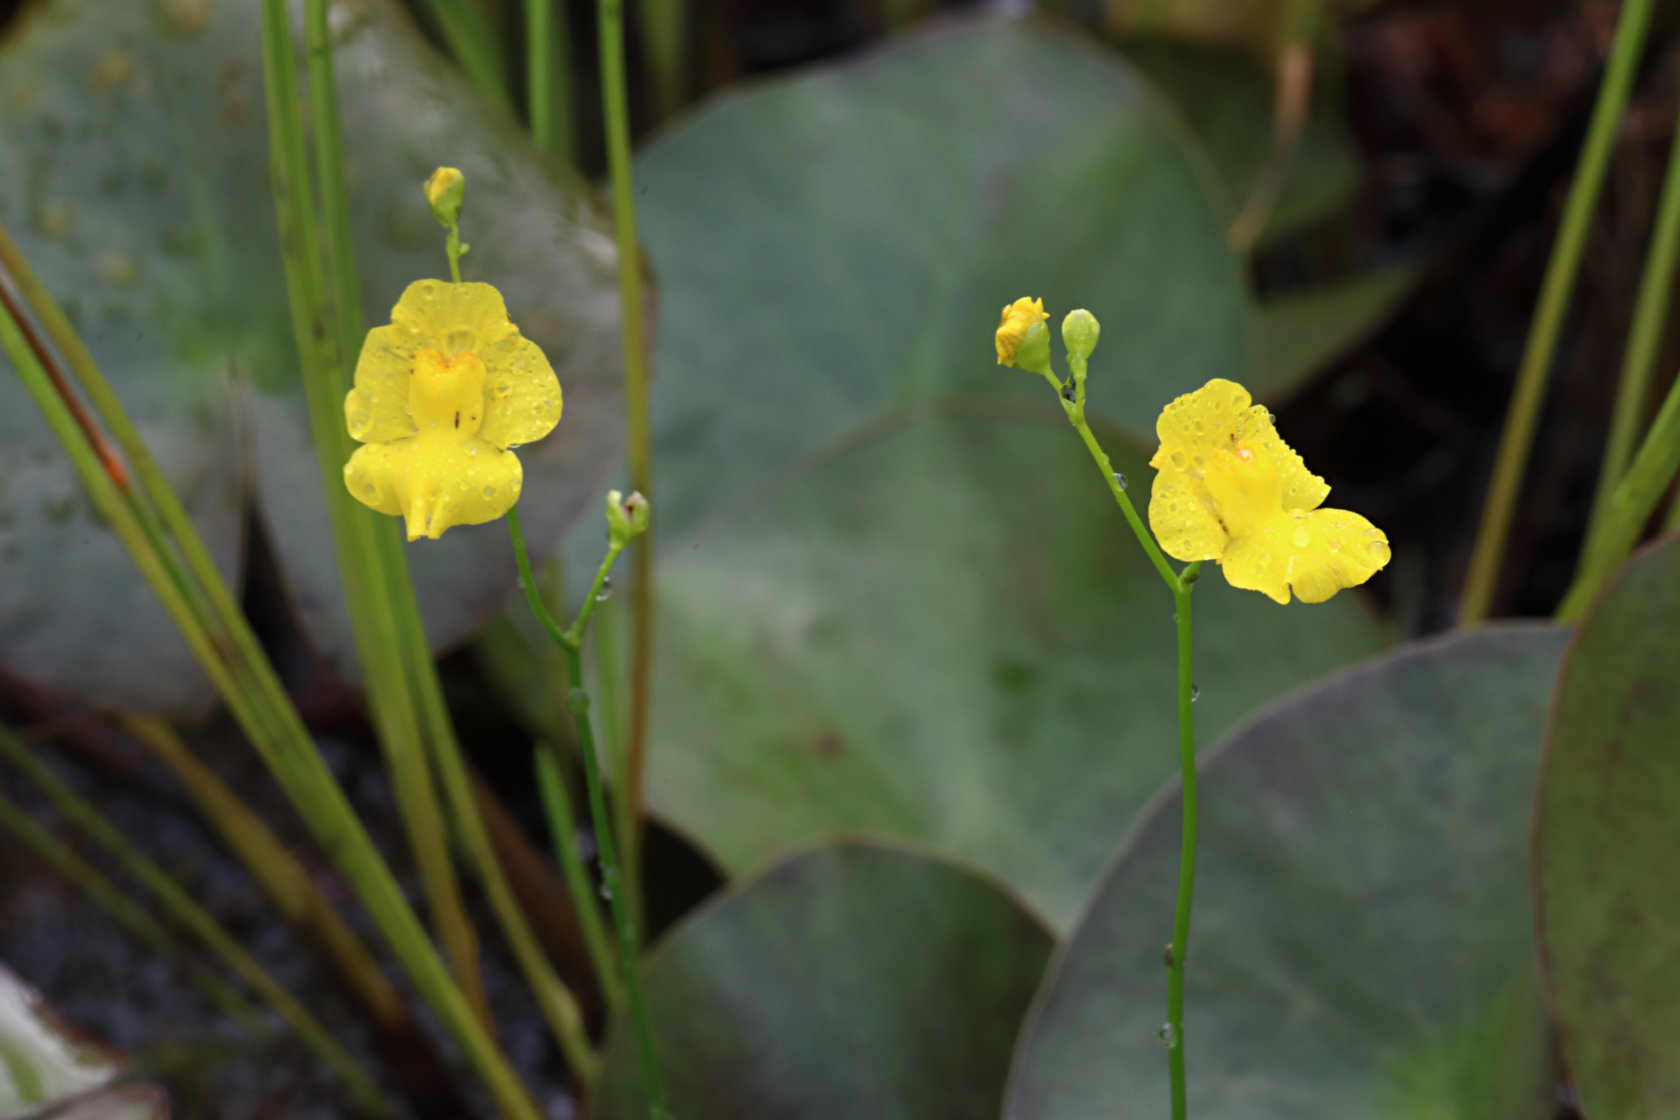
x: 1558, y: 286
x: 548, y: 77
x: 1656, y: 289
x: 607, y: 672
x: 562, y: 827
x: 471, y: 37
x: 175, y: 899
x: 637, y: 431
x: 1187, y: 844
x: 664, y: 32
x: 604, y: 845
x: 1630, y: 507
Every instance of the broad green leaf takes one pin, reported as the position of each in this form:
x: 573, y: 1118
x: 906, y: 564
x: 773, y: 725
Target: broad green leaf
x: 139, y: 189
x: 1258, y: 25
x: 42, y: 1062
x: 836, y: 247
x: 851, y: 981
x: 944, y: 631
x: 1360, y: 940
x: 1606, y: 841
x: 1226, y: 99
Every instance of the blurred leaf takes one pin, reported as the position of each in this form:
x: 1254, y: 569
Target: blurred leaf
x: 1226, y: 99
x: 42, y: 1062
x: 1360, y: 944
x: 851, y: 981
x: 1255, y: 24
x: 895, y: 595
x: 1606, y: 838
x: 139, y: 189
x: 1307, y: 328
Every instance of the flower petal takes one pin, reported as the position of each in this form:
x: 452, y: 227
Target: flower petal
x: 454, y: 317
x: 436, y: 482
x: 376, y: 410
x: 1316, y: 553
x: 1301, y: 488
x: 1182, y: 519
x: 522, y: 399
x: 1194, y: 426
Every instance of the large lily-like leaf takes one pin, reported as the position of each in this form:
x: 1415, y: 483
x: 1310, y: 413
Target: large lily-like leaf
x: 1360, y: 939
x: 853, y: 980
x: 1606, y: 838
x: 46, y: 1068
x: 896, y: 595
x: 137, y: 183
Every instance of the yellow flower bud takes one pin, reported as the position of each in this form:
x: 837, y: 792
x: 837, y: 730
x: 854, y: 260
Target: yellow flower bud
x: 1018, y: 317
x: 444, y: 193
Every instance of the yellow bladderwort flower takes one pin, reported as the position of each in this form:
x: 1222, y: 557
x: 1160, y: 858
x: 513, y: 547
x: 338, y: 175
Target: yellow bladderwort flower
x: 1229, y: 489
x: 442, y: 395
x: 1018, y: 317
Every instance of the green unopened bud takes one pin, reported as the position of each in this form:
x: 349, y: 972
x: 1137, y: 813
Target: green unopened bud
x: 444, y: 193
x: 1033, y: 355
x: 627, y: 518
x: 1079, y: 333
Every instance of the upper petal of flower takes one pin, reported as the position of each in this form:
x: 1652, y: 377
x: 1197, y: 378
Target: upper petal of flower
x: 450, y: 318
x: 1220, y: 416
x: 1183, y: 520
x: 1012, y: 326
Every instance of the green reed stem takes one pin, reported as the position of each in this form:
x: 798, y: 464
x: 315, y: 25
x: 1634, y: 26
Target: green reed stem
x: 323, y: 302
x: 638, y: 435
x: 571, y: 640
x: 562, y: 827
x: 549, y: 79
x: 106, y: 895
x: 1656, y: 288
x: 175, y: 899
x: 251, y: 689
x: 1630, y: 507
x: 608, y: 669
x: 471, y: 37
x: 664, y: 30
x: 1556, y: 289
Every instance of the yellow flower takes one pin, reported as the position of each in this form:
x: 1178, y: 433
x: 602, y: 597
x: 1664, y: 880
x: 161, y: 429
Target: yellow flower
x: 1229, y: 489
x: 442, y: 394
x: 1012, y: 328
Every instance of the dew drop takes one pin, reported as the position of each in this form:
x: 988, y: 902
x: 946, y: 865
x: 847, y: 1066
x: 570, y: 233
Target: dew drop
x: 606, y: 591
x: 503, y: 389
x: 1195, y: 693
x: 1300, y: 538
x: 488, y: 491
x: 1178, y: 460
x: 1168, y: 1034
x: 1120, y: 480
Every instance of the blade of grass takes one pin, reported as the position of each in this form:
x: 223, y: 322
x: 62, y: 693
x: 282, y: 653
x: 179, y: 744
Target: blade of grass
x: 550, y: 80
x: 1488, y: 553
x: 562, y: 827
x: 470, y: 36
x: 664, y: 33
x: 180, y: 905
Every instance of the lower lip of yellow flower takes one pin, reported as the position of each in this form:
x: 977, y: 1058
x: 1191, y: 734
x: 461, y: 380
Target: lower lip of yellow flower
x: 447, y: 394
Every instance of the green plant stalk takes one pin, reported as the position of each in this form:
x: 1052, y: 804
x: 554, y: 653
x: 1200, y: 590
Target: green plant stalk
x: 571, y: 640
x: 472, y: 39
x: 279, y: 737
x: 1672, y: 521
x: 1656, y: 289
x: 1556, y: 289
x: 131, y: 917
x: 175, y: 899
x: 562, y: 827
x: 1630, y: 507
x: 549, y: 79
x: 276, y: 872
x: 317, y: 323
x: 638, y: 435
x: 1187, y: 842
x: 664, y: 28
x: 607, y: 675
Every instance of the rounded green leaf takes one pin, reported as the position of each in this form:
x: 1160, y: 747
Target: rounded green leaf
x: 138, y: 187
x: 42, y: 1061
x: 836, y: 248
x: 944, y: 631
x: 1359, y: 945
x: 1606, y: 842
x: 851, y: 981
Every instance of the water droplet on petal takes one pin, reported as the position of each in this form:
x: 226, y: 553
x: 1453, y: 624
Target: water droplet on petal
x: 488, y: 491
x: 1300, y: 538
x: 1178, y: 460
